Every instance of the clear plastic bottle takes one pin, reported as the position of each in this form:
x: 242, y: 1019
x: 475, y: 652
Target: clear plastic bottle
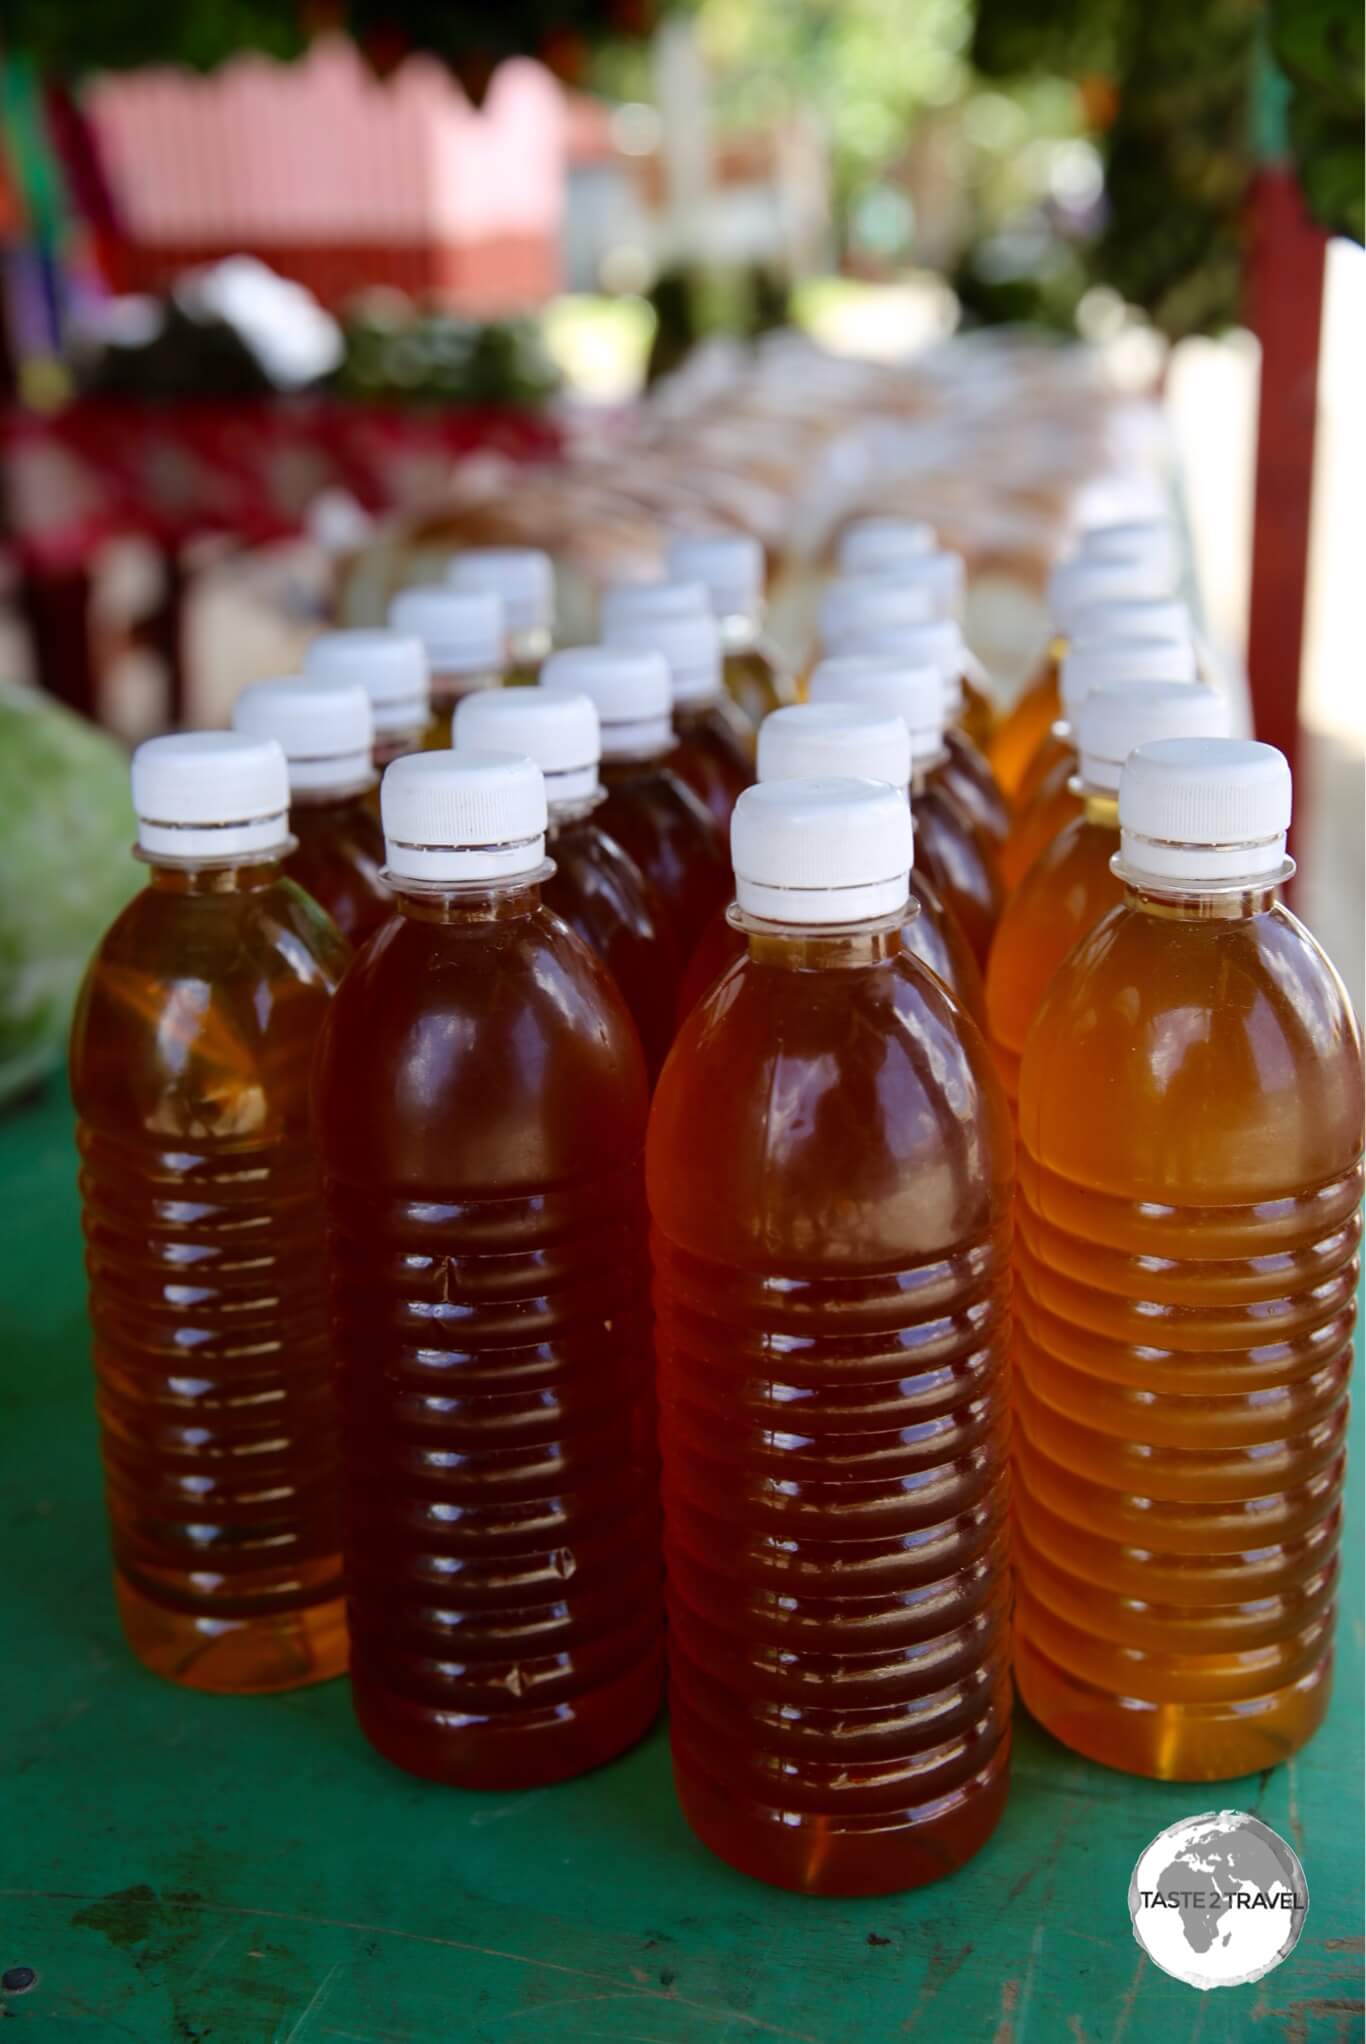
x: 392, y: 669
x: 714, y: 752
x: 1074, y: 585
x: 649, y: 809
x: 848, y: 740
x: 1049, y: 800
x: 481, y: 1098
x: 730, y: 567
x: 1071, y: 884
x: 523, y: 578
x: 1191, y: 1127
x: 464, y: 634
x: 955, y: 855
x: 325, y: 730
x: 596, y: 886
x: 828, y: 1167
x: 191, y: 1051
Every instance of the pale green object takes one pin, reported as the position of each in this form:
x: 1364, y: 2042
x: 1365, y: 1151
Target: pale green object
x: 66, y: 829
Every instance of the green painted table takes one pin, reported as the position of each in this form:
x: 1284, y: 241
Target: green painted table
x: 183, y: 1868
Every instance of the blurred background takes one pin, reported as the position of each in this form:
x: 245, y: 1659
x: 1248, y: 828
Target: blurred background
x: 296, y: 298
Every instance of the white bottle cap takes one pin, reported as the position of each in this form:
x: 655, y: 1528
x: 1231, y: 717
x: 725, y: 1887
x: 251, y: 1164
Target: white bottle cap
x: 939, y: 571
x: 729, y: 565
x: 915, y: 694
x: 691, y: 644
x: 1204, y: 815
x: 463, y: 816
x: 462, y: 629
x: 852, y: 606
x: 211, y: 796
x: 627, y: 602
x: 555, y: 727
x: 1106, y: 661
x: 390, y: 666
x: 324, y: 728
x: 629, y: 687
x: 822, y: 850
x: 1153, y: 541
x: 522, y: 576
x: 938, y: 643
x: 1115, y: 720
x: 1076, y: 584
x: 872, y: 545
x: 852, y: 740
x: 1135, y: 617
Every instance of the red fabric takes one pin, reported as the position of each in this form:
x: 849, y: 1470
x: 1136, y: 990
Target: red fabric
x: 77, y: 477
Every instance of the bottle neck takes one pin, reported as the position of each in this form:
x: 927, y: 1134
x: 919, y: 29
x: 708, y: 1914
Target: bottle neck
x: 797, y: 947
x: 245, y: 876
x: 468, y: 904
x: 563, y: 817
x: 449, y: 688
x: 392, y: 745
x: 630, y: 766
x: 316, y: 799
x: 1100, y: 806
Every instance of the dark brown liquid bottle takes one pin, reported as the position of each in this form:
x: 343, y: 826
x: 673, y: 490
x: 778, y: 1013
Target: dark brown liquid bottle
x: 191, y: 1051
x: 804, y: 739
x: 657, y: 820
x: 392, y: 669
x: 1191, y: 1127
x: 481, y: 1102
x: 730, y: 567
x: 598, y: 889
x: 325, y: 730
x: 829, y: 1182
x: 714, y: 740
x: 953, y: 854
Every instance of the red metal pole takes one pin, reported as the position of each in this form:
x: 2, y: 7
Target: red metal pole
x: 1285, y: 308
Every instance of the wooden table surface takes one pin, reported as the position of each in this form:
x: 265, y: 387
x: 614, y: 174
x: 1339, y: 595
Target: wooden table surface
x: 206, y: 1870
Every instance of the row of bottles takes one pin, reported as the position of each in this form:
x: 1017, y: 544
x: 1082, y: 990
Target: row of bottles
x: 548, y: 928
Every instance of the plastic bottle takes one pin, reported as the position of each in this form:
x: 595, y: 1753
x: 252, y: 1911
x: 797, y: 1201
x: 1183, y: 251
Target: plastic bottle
x: 325, y: 730
x: 955, y: 855
x: 1190, y: 1118
x: 598, y: 889
x: 715, y: 740
x: 656, y: 819
x: 966, y: 769
x: 191, y: 1050
x: 464, y: 634
x: 523, y: 578
x: 905, y: 549
x: 392, y: 669
x: 828, y: 1168
x: 1054, y: 800
x: 481, y: 1097
x: 1073, y: 586
x: 730, y: 567
x: 850, y: 741
x: 1071, y: 884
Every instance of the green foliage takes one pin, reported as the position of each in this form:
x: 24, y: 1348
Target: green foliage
x: 1320, y: 48
x: 433, y: 357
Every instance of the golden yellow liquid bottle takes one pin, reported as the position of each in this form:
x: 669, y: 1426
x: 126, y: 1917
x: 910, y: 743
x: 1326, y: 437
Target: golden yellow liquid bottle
x: 191, y: 1054
x: 1190, y: 1118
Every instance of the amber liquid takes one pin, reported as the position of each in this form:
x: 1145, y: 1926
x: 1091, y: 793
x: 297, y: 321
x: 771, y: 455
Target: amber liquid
x: 755, y: 683
x: 605, y: 899
x: 714, y: 756
x: 481, y: 1100
x: 829, y: 1179
x: 958, y: 859
x: 339, y: 859
x: 1063, y: 896
x: 929, y: 933
x: 447, y: 691
x: 1050, y: 808
x: 1190, y: 1117
x: 664, y: 827
x: 978, y: 716
x: 1025, y: 726
x: 967, y: 773
x: 190, y: 1057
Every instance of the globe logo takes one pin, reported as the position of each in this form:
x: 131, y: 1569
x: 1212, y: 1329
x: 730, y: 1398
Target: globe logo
x: 1218, y: 1900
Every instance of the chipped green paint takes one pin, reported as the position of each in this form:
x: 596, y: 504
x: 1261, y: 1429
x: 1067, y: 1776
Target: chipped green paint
x: 220, y: 1871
